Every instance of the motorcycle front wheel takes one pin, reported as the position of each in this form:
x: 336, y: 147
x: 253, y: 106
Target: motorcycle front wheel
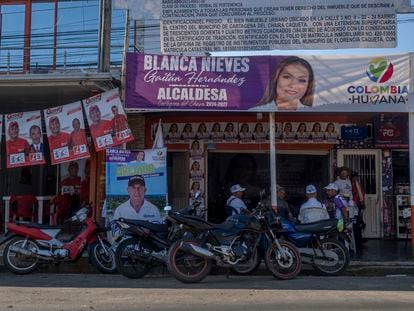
x: 284, y: 263
x: 187, y: 267
x: 17, y: 258
x: 332, y: 266
x: 102, y: 257
x: 130, y: 258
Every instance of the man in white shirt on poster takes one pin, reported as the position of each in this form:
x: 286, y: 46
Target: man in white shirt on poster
x: 137, y: 207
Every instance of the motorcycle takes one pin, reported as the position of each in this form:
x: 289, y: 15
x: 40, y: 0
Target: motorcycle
x: 318, y: 244
x: 232, y: 244
x: 30, y: 244
x: 141, y: 245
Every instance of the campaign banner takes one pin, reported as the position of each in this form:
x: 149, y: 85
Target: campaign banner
x: 24, y: 142
x: 66, y: 133
x: 391, y: 132
x: 246, y: 25
x: 125, y: 168
x: 339, y: 83
x: 107, y: 120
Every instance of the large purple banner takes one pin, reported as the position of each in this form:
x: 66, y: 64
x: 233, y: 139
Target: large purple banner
x: 268, y: 83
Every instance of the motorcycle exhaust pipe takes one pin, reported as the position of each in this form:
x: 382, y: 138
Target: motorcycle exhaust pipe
x: 25, y: 252
x: 196, y: 250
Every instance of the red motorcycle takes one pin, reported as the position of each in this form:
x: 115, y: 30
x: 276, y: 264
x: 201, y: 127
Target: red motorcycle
x: 30, y: 244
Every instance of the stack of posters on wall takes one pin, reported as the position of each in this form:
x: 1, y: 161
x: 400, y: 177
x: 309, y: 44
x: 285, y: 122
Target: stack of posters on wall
x: 107, y: 120
x: 197, y: 176
x: 252, y: 132
x: 130, y: 175
x: 24, y: 144
x: 66, y: 133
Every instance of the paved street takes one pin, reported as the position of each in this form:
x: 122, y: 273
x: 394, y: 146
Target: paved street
x: 102, y: 292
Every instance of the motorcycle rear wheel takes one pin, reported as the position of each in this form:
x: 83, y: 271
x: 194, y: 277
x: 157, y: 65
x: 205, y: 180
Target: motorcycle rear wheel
x: 128, y: 261
x: 102, y: 257
x: 283, y: 267
x: 187, y: 267
x: 343, y: 255
x: 19, y: 263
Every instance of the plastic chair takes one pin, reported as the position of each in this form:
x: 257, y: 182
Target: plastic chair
x: 23, y: 207
x: 60, y: 208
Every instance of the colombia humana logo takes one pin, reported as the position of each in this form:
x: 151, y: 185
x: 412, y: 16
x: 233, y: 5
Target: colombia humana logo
x: 377, y: 91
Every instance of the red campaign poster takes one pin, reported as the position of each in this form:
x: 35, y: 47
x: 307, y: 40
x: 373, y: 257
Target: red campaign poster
x: 66, y: 133
x: 24, y: 142
x: 107, y: 120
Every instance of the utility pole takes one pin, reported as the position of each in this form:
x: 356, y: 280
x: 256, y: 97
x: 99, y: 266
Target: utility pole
x: 105, y: 21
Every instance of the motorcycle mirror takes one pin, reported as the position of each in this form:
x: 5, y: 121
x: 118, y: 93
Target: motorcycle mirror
x: 167, y: 208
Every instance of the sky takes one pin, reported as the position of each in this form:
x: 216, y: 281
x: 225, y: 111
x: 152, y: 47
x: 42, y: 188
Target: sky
x: 78, y: 36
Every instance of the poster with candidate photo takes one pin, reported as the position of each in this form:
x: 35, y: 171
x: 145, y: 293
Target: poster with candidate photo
x: 196, y: 169
x: 173, y: 132
x: 107, y: 120
x: 66, y: 133
x: 245, y: 132
x: 230, y: 132
x: 24, y: 142
x: 260, y: 130
x: 216, y: 132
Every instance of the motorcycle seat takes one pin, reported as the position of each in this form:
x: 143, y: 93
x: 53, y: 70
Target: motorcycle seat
x: 146, y: 224
x: 322, y: 226
x: 37, y: 226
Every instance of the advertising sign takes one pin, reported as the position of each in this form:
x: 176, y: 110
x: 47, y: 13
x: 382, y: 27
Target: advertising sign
x: 268, y: 83
x: 107, y: 120
x: 24, y: 142
x: 391, y: 132
x: 136, y: 183
x: 66, y: 133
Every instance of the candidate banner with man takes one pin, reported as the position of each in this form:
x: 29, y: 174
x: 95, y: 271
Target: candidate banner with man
x: 136, y: 183
x: 339, y: 83
x: 107, y: 120
x: 66, y: 133
x: 24, y: 142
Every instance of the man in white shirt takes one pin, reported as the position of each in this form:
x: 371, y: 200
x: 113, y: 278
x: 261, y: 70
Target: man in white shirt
x: 235, y: 204
x: 137, y: 207
x: 343, y: 182
x: 312, y: 210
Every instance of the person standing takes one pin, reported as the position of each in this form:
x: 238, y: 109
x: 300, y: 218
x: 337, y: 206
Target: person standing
x: 283, y: 209
x: 358, y: 195
x: 343, y: 182
x: 312, y: 210
x: 235, y: 204
x: 335, y: 205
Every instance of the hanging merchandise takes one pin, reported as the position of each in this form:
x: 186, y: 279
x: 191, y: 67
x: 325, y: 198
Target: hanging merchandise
x: 66, y: 133
x: 24, y: 144
x: 107, y: 120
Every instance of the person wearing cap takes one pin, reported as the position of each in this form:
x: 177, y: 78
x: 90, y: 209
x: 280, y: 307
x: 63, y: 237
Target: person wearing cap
x: 16, y: 144
x: 57, y: 139
x: 283, y: 209
x: 98, y: 127
x: 137, y: 207
x: 235, y: 204
x: 312, y: 210
x: 335, y: 205
x: 343, y: 181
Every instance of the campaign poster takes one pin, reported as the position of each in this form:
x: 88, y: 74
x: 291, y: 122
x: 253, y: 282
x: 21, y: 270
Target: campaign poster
x: 107, y: 120
x: 321, y: 83
x: 136, y: 183
x: 245, y: 132
x: 260, y: 131
x: 391, y: 132
x: 66, y: 133
x: 230, y: 132
x: 24, y: 141
x: 196, y: 149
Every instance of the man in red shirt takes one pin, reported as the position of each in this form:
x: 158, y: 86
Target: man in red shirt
x: 78, y: 136
x: 58, y: 139
x: 119, y: 121
x: 98, y: 127
x: 16, y: 144
x: 72, y: 183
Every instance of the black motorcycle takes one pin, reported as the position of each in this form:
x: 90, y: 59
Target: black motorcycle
x: 232, y: 244
x: 141, y: 245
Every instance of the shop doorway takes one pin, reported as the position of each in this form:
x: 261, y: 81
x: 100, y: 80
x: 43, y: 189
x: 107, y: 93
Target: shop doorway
x: 367, y: 164
x: 252, y: 170
x: 177, y: 174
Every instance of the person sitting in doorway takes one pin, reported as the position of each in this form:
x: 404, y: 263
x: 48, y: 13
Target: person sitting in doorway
x: 312, y: 210
x: 235, y: 204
